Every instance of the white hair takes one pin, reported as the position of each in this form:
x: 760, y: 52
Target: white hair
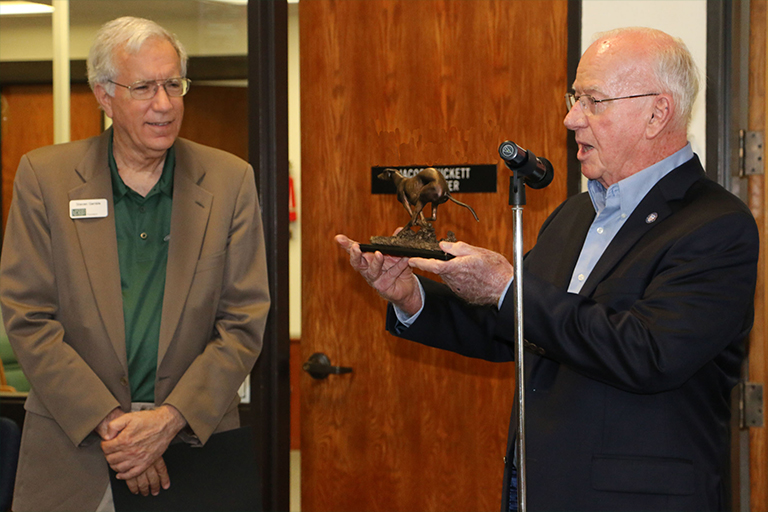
x: 673, y: 66
x: 130, y: 34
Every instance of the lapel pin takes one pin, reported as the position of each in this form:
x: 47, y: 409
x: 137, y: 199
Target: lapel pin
x: 651, y: 218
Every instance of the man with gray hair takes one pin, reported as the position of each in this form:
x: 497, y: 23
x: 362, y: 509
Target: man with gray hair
x: 638, y: 299
x: 133, y: 284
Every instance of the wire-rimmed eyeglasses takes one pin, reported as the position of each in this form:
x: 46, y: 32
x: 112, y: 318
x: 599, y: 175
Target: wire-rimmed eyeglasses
x: 588, y: 102
x: 146, y: 89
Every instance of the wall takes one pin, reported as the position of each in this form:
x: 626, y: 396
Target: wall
x: 294, y: 157
x: 686, y: 19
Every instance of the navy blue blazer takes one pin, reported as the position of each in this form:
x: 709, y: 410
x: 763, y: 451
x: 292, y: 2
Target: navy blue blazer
x: 627, y: 383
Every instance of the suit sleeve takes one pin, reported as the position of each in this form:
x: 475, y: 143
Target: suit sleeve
x: 648, y: 337
x: 449, y: 323
x: 69, y: 389
x: 206, y: 390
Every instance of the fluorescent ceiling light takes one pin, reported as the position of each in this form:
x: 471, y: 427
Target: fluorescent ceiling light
x: 18, y: 8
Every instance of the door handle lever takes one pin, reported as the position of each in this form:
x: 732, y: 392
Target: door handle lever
x: 318, y: 366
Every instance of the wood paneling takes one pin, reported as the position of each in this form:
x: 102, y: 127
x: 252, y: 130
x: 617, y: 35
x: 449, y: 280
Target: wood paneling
x: 407, y: 83
x: 27, y: 123
x: 217, y: 117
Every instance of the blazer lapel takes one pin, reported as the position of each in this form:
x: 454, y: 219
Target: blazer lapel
x: 573, y: 239
x: 559, y: 243
x: 189, y: 219
x: 98, y: 243
x: 654, y: 209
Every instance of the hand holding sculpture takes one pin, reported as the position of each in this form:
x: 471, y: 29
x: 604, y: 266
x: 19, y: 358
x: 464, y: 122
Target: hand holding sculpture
x: 390, y: 276
x: 477, y: 275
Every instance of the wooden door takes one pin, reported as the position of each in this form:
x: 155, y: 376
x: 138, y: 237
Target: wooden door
x: 390, y: 83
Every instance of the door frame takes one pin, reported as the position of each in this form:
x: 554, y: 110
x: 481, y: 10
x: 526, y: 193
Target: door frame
x: 269, y: 410
x: 728, y: 111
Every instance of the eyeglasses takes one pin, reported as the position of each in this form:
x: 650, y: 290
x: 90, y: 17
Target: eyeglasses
x: 146, y: 89
x: 588, y: 102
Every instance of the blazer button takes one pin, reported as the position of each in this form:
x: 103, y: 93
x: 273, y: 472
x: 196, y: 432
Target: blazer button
x: 124, y: 381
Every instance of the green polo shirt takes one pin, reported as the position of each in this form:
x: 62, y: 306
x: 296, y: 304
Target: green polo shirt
x: 143, y: 227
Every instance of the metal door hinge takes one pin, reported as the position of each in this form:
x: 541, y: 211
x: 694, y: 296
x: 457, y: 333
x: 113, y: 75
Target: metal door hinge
x: 751, y: 153
x: 750, y: 404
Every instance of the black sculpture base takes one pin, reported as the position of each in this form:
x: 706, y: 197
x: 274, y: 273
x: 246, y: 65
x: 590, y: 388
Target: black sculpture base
x: 422, y: 244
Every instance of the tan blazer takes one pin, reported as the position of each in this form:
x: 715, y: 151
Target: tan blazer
x: 61, y: 303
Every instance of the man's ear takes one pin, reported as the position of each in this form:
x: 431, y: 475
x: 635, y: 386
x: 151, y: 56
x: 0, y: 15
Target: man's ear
x: 104, y: 99
x: 661, y: 115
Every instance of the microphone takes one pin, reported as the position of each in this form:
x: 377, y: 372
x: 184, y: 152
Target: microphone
x: 537, y: 172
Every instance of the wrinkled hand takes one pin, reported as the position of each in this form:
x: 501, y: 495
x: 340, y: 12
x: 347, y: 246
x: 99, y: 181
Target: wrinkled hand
x: 477, y: 275
x: 390, y: 276
x: 102, y: 429
x: 137, y: 440
x: 152, y: 480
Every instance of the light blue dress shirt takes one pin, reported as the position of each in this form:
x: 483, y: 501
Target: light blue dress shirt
x: 613, y: 207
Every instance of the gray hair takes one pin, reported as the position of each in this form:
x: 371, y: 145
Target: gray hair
x: 130, y: 34
x: 674, y: 69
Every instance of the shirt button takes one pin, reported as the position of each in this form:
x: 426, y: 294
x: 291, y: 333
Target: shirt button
x: 142, y: 209
x: 600, y: 231
x: 143, y: 236
x: 581, y: 277
x: 623, y: 215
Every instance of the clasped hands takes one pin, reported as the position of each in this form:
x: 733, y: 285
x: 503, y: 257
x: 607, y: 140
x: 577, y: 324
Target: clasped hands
x: 477, y: 275
x: 134, y: 443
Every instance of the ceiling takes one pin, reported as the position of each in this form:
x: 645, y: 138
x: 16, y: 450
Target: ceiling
x: 97, y: 11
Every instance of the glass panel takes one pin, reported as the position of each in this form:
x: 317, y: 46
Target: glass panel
x: 214, y: 33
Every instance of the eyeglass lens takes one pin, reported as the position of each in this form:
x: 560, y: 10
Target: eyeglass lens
x: 587, y: 102
x: 173, y: 87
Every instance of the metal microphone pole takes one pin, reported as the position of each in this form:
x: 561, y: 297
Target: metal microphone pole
x: 538, y: 172
x: 517, y: 200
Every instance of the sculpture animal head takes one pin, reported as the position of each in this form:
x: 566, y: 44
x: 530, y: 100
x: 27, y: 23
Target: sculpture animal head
x: 427, y: 187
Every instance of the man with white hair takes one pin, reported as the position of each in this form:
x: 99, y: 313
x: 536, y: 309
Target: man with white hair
x: 638, y: 299
x: 133, y: 284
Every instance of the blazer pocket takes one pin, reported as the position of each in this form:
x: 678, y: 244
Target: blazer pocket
x: 646, y: 475
x: 212, y: 261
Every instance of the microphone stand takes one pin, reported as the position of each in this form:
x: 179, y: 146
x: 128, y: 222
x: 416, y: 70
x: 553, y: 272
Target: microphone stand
x: 539, y: 172
x: 517, y: 201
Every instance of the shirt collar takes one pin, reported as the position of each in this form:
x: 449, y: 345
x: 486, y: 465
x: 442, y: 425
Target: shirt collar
x: 633, y: 189
x: 163, y: 186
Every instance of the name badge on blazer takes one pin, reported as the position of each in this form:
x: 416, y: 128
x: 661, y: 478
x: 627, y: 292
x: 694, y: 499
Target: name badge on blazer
x: 88, y: 208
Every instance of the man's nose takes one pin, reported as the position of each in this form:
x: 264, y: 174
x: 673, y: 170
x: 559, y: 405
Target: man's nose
x: 162, y: 101
x: 575, y: 118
